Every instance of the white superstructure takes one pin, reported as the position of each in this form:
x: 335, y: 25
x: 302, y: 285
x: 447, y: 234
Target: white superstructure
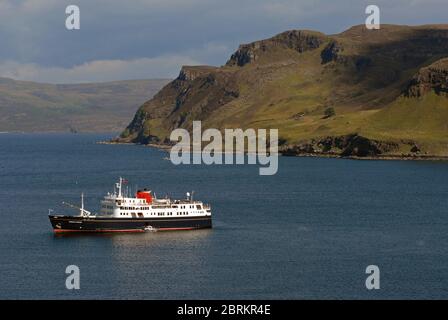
x: 146, y: 205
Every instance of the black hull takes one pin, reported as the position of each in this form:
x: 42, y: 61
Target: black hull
x: 65, y: 224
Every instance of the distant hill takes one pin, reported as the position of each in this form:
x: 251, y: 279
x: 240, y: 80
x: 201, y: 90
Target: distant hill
x: 358, y: 93
x: 91, y: 107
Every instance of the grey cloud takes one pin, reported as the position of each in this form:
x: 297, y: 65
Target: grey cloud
x: 35, y: 41
x: 98, y: 70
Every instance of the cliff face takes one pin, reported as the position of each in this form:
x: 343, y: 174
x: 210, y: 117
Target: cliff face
x: 351, y: 145
x: 296, y: 40
x: 266, y: 84
x: 431, y: 78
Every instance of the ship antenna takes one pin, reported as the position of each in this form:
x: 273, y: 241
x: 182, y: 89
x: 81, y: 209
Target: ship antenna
x: 119, y: 187
x: 82, y: 203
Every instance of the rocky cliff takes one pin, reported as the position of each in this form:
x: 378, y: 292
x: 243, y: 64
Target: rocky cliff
x: 297, y: 40
x: 431, y: 78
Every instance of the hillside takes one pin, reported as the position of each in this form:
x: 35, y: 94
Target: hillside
x: 91, y: 107
x: 358, y: 93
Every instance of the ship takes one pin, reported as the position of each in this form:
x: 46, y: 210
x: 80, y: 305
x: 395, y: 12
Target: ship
x: 139, y: 212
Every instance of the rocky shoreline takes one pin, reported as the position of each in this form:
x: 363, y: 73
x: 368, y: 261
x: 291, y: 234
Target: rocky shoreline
x: 287, y: 151
x: 379, y: 157
x: 354, y: 146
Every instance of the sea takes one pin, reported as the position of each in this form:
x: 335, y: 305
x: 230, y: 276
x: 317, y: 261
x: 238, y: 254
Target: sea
x: 311, y: 231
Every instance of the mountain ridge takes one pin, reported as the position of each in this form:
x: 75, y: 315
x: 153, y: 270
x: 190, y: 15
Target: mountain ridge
x: 288, y: 82
x: 27, y: 106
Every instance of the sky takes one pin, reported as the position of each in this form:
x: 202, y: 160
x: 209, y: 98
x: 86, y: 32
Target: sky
x: 146, y: 39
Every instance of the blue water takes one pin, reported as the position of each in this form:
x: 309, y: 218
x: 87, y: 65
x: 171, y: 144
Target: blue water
x: 308, y: 232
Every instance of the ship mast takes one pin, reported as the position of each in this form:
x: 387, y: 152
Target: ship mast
x: 82, y: 203
x: 84, y: 212
x: 119, y: 187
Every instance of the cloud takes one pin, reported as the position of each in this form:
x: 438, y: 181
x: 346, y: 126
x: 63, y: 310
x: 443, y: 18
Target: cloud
x: 151, y: 33
x: 164, y: 66
x: 98, y: 70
